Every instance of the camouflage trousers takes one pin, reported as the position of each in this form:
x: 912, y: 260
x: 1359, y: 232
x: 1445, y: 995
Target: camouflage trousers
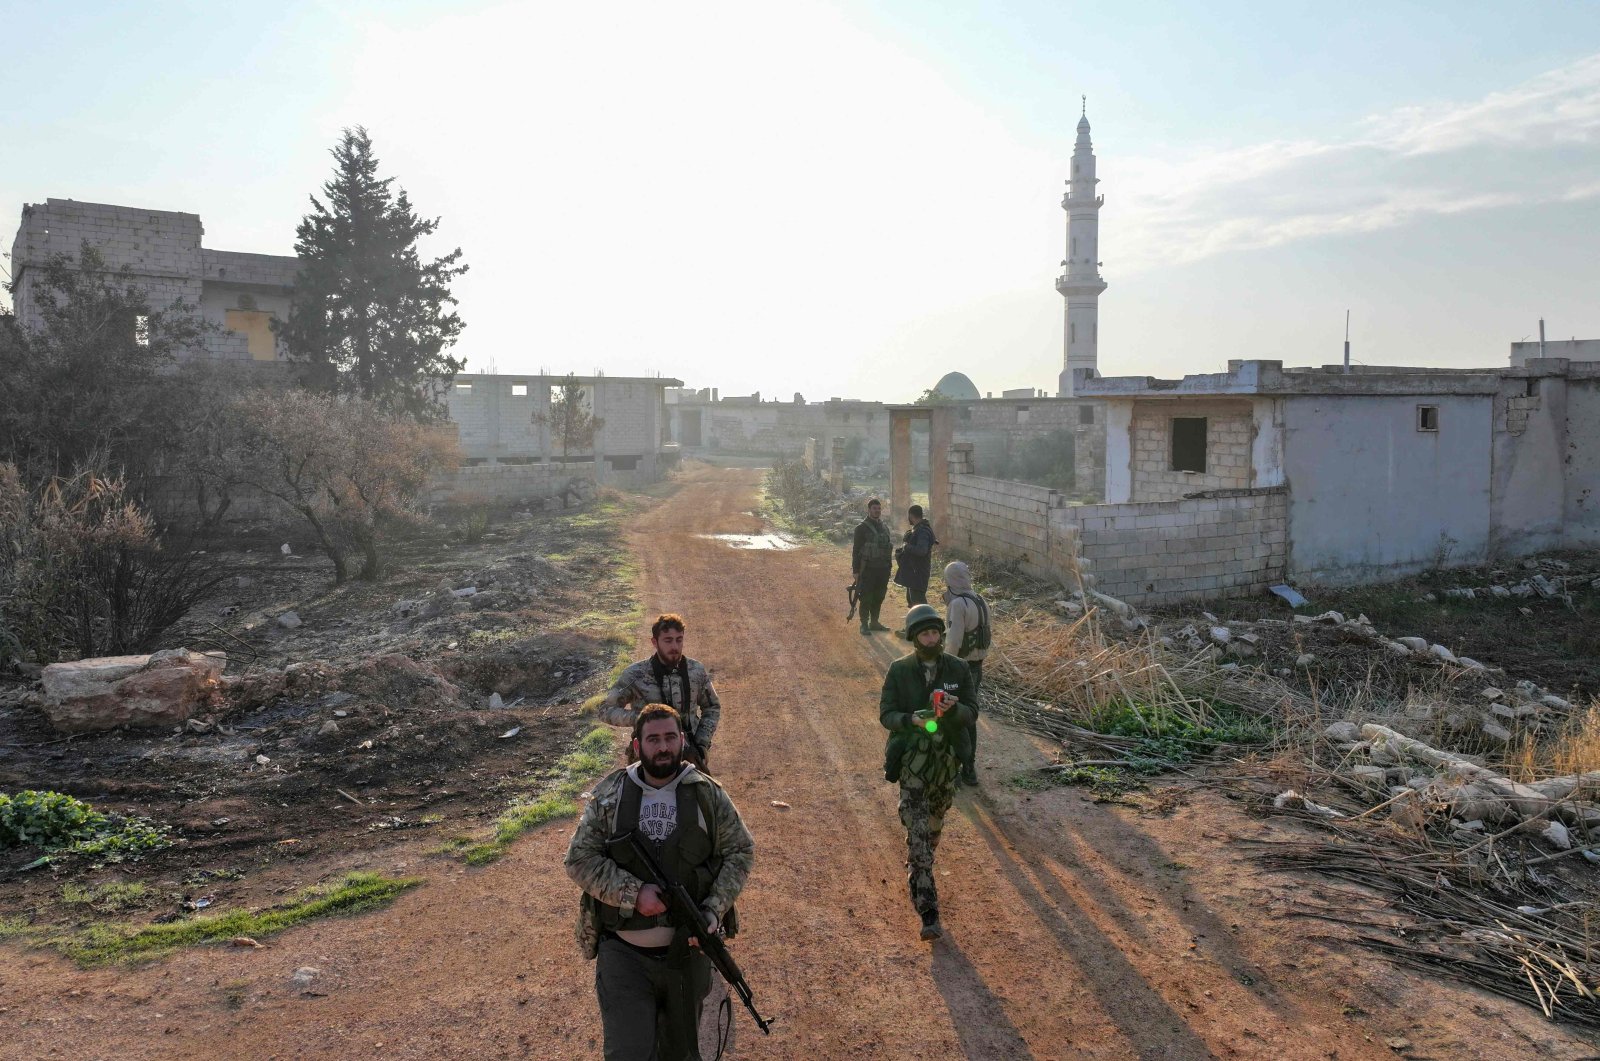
x: 922, y: 809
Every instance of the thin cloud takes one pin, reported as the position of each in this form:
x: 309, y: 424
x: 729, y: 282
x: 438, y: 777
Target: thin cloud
x: 1536, y: 143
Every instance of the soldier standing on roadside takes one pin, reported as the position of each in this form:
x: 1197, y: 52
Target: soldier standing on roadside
x: 968, y: 632
x: 927, y: 766
x: 916, y: 557
x: 668, y: 677
x: 870, y: 558
x: 650, y: 980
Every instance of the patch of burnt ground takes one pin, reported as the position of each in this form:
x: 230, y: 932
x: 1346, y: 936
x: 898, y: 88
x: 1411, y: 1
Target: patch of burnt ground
x: 418, y: 705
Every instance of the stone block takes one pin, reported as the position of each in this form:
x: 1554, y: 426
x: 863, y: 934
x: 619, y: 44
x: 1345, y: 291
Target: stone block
x: 163, y: 689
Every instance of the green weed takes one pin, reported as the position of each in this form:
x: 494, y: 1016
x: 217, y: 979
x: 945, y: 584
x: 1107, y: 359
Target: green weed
x: 594, y: 756
x: 107, y: 898
x: 55, y: 822
x: 108, y: 944
x: 1105, y: 781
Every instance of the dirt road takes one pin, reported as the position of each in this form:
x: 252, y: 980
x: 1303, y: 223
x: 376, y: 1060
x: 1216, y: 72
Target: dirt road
x: 1076, y: 929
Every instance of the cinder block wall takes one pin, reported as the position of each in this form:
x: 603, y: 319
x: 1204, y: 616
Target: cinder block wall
x: 1002, y: 519
x: 1230, y: 542
x: 1000, y: 428
x: 1229, y: 432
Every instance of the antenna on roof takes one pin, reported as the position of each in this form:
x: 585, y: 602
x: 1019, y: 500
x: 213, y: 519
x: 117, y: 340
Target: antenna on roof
x: 1541, y: 336
x: 1347, y: 340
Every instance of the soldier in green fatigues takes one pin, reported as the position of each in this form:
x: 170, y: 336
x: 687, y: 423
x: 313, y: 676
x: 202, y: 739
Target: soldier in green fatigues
x: 870, y: 558
x: 923, y: 759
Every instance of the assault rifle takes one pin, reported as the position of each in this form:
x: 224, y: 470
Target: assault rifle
x: 683, y: 910
x: 852, y: 593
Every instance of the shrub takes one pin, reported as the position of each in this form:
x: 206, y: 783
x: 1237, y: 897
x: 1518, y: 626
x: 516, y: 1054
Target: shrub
x: 354, y: 473
x: 84, y: 572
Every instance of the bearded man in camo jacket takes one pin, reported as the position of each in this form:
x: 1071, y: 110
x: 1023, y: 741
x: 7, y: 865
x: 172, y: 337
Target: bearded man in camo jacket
x: 668, y: 677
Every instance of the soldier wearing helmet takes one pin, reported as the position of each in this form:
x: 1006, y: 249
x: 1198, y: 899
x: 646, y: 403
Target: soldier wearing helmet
x: 926, y: 704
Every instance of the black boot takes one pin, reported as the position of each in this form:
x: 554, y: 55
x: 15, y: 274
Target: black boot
x: 931, y: 929
x: 875, y: 625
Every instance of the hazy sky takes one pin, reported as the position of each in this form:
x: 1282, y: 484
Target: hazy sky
x: 851, y: 198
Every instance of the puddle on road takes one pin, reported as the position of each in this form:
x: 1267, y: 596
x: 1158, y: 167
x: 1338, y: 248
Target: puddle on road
x: 776, y: 542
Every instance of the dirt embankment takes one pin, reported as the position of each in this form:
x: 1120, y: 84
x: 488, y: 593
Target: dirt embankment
x: 1076, y: 928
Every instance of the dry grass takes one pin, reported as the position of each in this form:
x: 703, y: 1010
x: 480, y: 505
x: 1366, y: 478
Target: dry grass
x: 1053, y: 677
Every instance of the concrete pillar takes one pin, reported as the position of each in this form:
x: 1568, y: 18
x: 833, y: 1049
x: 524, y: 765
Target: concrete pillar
x: 941, y: 433
x: 899, y: 463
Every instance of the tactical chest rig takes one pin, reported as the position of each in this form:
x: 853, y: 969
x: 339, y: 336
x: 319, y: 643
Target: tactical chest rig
x: 685, y: 855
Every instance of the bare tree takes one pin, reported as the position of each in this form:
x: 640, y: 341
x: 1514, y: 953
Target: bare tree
x: 353, y: 472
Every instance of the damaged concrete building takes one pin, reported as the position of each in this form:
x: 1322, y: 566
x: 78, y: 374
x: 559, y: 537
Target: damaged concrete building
x: 1230, y: 482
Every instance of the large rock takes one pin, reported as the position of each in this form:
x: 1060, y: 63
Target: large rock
x: 164, y: 689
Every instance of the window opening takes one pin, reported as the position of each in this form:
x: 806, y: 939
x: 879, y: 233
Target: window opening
x: 1427, y: 418
x: 1085, y: 414
x: 1189, y: 444
x: 519, y: 390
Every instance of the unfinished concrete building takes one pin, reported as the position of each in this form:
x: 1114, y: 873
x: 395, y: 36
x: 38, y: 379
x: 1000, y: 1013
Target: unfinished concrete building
x: 238, y: 292
x: 511, y: 448
x: 508, y: 450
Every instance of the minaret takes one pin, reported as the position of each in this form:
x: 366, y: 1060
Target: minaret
x: 1081, y: 285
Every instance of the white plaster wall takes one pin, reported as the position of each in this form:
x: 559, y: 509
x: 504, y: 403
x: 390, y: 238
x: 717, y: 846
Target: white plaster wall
x: 1528, y: 493
x: 1581, y: 460
x: 1370, y: 495
x: 1119, y: 452
x: 1266, y: 448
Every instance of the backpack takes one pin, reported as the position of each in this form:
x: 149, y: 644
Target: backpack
x: 979, y: 637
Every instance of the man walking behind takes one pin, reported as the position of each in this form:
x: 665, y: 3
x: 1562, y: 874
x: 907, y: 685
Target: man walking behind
x: 870, y: 558
x: 668, y: 677
x: 651, y: 982
x: 968, y: 633
x: 929, y: 730
x: 916, y: 557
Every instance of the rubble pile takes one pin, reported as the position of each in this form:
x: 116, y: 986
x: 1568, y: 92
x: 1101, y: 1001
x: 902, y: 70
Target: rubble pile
x: 1495, y: 711
x: 1421, y: 783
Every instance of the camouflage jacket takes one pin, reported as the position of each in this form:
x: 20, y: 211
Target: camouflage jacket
x: 637, y: 686
x: 602, y: 880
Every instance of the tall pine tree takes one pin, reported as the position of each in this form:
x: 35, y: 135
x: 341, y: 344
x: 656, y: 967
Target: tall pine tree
x: 369, y: 318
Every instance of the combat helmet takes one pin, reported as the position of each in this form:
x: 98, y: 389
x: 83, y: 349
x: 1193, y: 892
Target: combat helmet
x: 923, y: 615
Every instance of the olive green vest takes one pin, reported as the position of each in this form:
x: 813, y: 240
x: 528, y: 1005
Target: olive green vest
x: 876, y: 549
x: 685, y: 855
